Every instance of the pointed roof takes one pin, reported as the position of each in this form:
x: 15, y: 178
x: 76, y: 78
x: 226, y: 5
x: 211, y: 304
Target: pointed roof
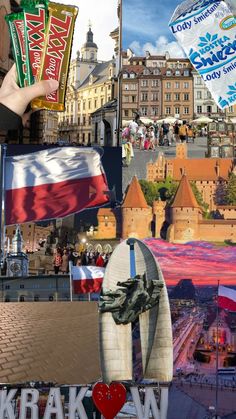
x: 184, y: 196
x: 134, y: 197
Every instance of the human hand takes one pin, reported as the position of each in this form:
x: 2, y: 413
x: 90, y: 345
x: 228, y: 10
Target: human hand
x: 17, y: 98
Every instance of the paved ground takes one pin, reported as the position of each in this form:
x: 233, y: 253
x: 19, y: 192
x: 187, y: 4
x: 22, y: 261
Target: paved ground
x: 141, y: 158
x: 54, y: 341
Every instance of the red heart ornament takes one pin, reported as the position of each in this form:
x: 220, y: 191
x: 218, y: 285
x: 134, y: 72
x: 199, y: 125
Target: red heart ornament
x: 109, y: 399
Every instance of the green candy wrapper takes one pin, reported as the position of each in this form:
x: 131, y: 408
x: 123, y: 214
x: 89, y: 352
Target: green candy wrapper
x: 17, y: 34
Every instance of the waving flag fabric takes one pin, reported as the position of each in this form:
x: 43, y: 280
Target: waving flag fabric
x: 53, y: 183
x: 227, y: 298
x: 87, y: 279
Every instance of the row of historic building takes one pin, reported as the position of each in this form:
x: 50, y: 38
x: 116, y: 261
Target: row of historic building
x: 161, y: 86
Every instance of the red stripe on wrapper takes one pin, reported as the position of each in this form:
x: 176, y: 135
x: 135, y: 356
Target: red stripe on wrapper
x: 226, y: 303
x: 54, y: 200
x: 85, y: 286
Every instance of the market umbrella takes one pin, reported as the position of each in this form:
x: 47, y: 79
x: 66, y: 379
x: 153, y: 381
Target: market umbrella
x: 146, y: 121
x: 202, y: 120
x: 125, y: 122
x: 171, y: 120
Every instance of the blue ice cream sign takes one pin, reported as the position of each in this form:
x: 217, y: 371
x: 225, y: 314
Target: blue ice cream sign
x: 206, y: 30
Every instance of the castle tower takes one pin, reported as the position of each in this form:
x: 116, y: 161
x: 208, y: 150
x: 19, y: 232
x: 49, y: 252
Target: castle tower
x: 17, y: 260
x: 107, y: 224
x: 89, y: 50
x: 136, y: 214
x: 185, y: 215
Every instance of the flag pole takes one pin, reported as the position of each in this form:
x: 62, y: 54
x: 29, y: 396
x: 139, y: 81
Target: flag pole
x: 70, y: 271
x: 3, y: 148
x: 217, y: 350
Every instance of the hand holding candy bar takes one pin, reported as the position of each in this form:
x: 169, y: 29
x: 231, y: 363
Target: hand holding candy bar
x: 16, y: 98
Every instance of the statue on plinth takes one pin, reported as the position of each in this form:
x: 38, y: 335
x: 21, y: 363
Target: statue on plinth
x: 132, y: 298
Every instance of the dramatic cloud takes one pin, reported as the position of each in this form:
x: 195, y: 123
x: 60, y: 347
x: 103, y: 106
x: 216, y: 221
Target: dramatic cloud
x: 202, y: 262
x: 161, y: 45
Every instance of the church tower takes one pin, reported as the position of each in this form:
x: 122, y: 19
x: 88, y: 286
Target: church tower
x: 17, y: 260
x: 136, y: 214
x: 185, y: 215
x: 89, y: 50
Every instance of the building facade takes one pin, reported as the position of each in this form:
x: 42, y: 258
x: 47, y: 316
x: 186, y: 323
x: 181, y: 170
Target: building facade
x: 157, y: 87
x: 204, y: 105
x: 91, y: 85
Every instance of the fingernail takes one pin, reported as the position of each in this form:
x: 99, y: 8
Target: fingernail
x: 54, y: 84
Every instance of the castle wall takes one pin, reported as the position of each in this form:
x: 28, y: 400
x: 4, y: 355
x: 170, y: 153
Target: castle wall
x: 217, y: 230
x: 227, y: 212
x: 106, y: 228
x: 159, y: 216
x: 213, y: 192
x: 136, y: 222
x: 185, y: 225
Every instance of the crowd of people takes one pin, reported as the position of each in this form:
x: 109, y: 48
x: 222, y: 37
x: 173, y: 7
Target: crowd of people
x: 154, y: 135
x: 62, y: 257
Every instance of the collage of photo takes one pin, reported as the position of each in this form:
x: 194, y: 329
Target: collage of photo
x: 118, y: 209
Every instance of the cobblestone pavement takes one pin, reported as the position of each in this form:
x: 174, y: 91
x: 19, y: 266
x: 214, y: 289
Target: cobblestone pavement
x: 141, y: 158
x: 55, y: 342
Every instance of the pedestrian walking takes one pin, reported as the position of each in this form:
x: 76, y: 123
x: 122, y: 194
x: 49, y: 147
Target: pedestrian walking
x: 183, y: 132
x: 65, y: 262
x: 57, y: 261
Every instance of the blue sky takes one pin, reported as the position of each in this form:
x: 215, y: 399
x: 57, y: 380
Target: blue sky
x: 145, y: 26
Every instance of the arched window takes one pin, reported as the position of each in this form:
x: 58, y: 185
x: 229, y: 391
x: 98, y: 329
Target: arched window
x: 50, y: 298
x: 36, y: 298
x: 22, y: 298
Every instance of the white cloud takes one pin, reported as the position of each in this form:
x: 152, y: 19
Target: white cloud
x: 160, y: 47
x: 103, y: 16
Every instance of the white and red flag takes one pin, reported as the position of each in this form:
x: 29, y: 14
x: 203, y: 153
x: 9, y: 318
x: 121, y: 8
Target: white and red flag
x: 227, y: 298
x: 53, y: 183
x: 87, y: 279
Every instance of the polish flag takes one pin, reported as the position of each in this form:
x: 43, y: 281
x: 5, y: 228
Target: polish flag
x: 87, y: 279
x: 227, y: 298
x: 53, y: 183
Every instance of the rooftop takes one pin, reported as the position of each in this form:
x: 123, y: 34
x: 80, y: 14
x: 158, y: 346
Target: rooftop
x: 105, y: 212
x: 134, y: 197
x: 211, y: 169
x: 184, y: 196
x: 100, y: 74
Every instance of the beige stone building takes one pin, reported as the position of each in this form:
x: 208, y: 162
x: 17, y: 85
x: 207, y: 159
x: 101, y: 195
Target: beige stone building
x: 91, y: 85
x: 177, y: 89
